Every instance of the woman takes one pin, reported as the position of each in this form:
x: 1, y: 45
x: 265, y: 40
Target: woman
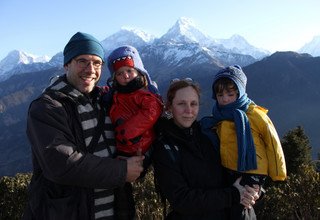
x: 187, y: 168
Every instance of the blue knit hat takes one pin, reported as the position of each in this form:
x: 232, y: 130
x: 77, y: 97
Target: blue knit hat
x: 129, y: 56
x: 234, y: 73
x: 82, y: 43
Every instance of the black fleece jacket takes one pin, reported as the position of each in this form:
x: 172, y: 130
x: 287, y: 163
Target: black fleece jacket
x: 191, y: 177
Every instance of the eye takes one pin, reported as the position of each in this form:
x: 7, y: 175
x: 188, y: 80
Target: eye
x: 194, y: 103
x: 82, y: 61
x: 97, y: 63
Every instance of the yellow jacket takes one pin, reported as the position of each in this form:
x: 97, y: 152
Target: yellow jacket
x: 270, y: 157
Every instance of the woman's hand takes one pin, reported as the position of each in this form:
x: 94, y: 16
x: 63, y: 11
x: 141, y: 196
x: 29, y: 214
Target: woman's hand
x: 248, y: 195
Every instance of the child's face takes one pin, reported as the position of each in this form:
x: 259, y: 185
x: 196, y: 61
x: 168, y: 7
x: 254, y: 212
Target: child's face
x: 227, y: 96
x: 125, y: 74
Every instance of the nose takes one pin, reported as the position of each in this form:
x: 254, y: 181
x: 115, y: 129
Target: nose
x: 225, y: 98
x: 90, y: 67
x: 188, y: 109
x: 126, y: 75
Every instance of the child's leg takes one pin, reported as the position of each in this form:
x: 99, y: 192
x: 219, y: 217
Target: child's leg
x: 124, y: 205
x: 146, y: 162
x: 251, y: 179
x: 239, y: 212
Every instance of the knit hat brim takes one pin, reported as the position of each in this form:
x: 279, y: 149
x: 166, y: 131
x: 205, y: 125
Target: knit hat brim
x: 80, y: 44
x: 235, y: 74
x: 122, y: 61
x: 130, y: 51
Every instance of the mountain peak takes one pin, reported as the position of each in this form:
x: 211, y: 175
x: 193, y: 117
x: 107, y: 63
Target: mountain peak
x: 238, y: 44
x: 184, y: 24
x: 313, y: 47
x: 185, y: 31
x: 17, y: 57
x: 237, y: 37
x: 25, y: 58
x: 127, y: 36
x: 142, y: 34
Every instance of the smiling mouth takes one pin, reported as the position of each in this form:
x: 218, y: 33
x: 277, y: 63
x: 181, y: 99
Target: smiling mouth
x: 87, y: 79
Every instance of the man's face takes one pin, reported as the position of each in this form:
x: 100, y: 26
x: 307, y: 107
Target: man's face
x: 84, y: 71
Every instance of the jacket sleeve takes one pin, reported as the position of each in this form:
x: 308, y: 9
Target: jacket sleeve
x: 184, y: 199
x: 54, y: 148
x: 146, y: 117
x: 276, y: 160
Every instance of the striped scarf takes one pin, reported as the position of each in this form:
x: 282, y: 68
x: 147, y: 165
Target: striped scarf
x: 87, y: 110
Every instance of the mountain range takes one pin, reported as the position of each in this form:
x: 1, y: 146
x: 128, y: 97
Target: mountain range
x: 284, y: 82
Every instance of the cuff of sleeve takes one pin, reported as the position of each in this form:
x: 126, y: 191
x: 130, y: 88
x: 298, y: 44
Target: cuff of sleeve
x: 124, y: 172
x: 235, y: 195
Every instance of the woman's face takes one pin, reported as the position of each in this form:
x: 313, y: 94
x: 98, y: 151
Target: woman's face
x: 185, y: 107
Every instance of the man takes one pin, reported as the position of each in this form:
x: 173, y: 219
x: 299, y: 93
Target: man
x: 72, y: 141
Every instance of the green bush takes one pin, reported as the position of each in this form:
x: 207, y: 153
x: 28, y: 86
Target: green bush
x: 13, y: 195
x: 296, y: 198
x: 148, y: 202
x: 299, y: 196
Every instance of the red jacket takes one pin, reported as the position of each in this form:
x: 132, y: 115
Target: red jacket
x: 134, y: 115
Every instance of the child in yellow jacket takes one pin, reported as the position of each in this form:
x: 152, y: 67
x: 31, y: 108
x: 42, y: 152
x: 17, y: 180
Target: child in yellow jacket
x: 249, y: 144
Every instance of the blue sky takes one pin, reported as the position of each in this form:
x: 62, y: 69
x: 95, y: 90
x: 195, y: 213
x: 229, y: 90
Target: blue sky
x: 43, y: 27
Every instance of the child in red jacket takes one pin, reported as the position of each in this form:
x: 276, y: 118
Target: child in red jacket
x: 135, y: 107
x: 136, y: 104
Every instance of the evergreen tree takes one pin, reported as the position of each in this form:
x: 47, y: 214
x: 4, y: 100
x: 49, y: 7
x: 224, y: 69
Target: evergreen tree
x: 296, y: 148
x: 316, y: 163
x: 298, y: 197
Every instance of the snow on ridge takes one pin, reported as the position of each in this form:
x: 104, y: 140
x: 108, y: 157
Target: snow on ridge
x: 142, y: 34
x: 312, y: 47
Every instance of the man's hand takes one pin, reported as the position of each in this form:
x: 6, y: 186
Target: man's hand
x: 134, y: 167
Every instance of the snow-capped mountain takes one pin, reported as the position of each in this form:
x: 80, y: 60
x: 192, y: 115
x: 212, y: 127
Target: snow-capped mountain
x: 184, y: 31
x: 57, y: 60
x: 313, y: 47
x: 183, y: 42
x: 132, y: 37
x: 238, y: 44
x: 16, y: 58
